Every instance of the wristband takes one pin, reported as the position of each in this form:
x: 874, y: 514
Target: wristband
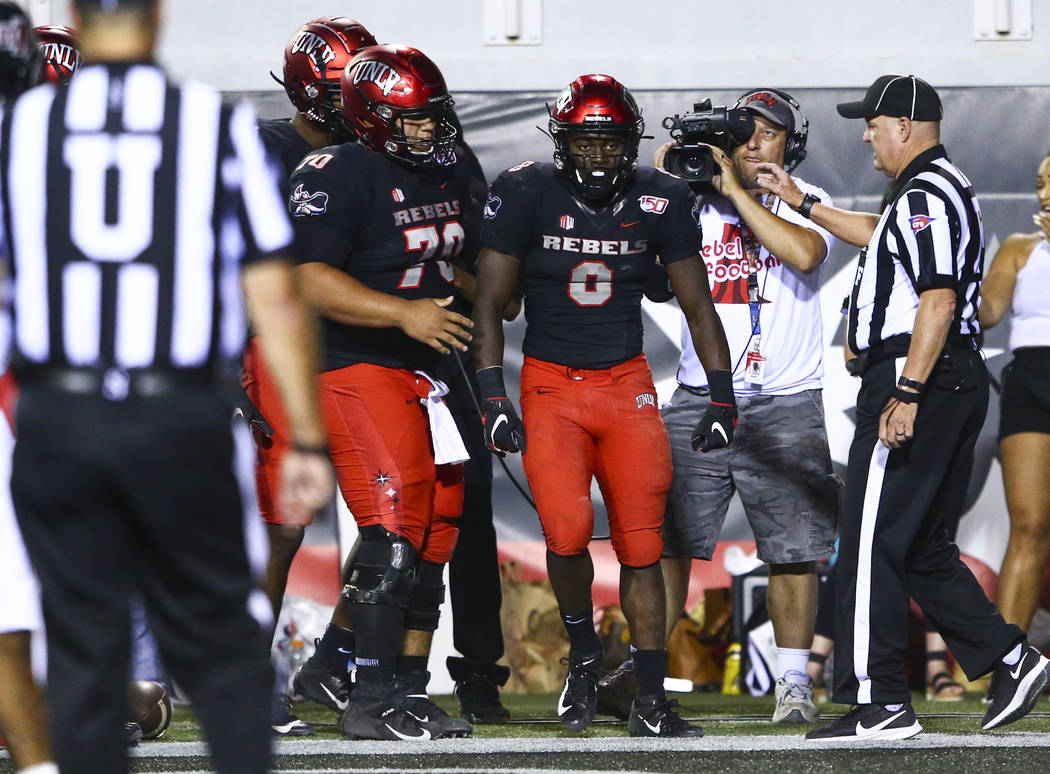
x: 906, y: 397
x: 311, y: 448
x: 720, y: 383
x: 490, y: 382
x: 807, y: 204
x: 911, y: 384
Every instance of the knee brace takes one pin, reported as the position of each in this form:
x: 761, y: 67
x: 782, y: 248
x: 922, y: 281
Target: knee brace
x: 424, y: 608
x: 384, y: 572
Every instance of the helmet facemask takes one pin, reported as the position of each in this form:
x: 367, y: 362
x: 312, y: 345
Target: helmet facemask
x: 403, y: 141
x: 599, y: 161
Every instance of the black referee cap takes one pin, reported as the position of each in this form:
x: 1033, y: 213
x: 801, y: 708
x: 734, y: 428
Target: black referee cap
x: 903, y: 96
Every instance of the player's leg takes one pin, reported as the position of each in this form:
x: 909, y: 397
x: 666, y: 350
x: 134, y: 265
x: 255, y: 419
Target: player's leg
x: 559, y: 465
x: 633, y: 468
x: 783, y: 472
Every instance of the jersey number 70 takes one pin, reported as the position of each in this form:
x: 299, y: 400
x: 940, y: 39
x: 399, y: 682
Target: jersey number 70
x: 426, y: 240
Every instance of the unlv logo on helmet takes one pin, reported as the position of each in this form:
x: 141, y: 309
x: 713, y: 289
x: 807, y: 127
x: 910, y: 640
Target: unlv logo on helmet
x: 382, y: 75
x: 314, y: 46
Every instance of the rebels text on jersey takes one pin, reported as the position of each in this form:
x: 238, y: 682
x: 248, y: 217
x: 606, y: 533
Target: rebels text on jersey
x: 583, y: 270
x: 286, y: 145
x: 394, y: 230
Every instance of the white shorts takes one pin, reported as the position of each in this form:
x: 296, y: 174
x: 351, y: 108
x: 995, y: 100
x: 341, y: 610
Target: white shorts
x: 20, y: 605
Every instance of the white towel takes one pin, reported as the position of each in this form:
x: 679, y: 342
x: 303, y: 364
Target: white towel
x: 448, y: 444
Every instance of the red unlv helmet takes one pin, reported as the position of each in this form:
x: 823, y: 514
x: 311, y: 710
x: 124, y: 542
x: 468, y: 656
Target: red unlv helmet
x: 596, y: 105
x: 313, y: 60
x: 386, y: 85
x: 61, y: 55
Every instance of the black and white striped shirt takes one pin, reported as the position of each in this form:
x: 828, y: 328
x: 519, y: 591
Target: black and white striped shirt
x: 929, y: 236
x: 129, y: 205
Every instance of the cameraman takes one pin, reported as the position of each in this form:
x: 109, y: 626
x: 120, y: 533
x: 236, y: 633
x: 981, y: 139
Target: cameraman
x: 763, y: 259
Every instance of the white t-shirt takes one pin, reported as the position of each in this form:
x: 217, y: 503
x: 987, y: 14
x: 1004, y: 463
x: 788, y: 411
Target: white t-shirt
x: 1030, y: 314
x: 791, y: 339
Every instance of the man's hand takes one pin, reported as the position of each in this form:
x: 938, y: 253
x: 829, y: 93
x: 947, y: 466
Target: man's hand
x: 897, y: 423
x: 726, y: 182
x: 504, y: 431
x: 427, y: 320
x: 715, y: 428
x: 1042, y: 220
x: 658, y: 156
x: 778, y: 182
x: 307, y: 484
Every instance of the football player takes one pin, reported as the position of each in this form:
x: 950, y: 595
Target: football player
x: 378, y: 223
x: 582, y: 236
x: 61, y: 54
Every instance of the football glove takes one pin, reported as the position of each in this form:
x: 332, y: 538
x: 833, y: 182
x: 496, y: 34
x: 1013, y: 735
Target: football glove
x: 715, y: 428
x: 504, y: 431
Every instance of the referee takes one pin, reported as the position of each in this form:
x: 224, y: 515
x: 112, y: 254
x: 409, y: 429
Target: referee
x: 923, y: 398
x: 130, y: 205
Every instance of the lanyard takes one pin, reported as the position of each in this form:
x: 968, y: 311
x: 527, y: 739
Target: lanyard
x: 752, y: 248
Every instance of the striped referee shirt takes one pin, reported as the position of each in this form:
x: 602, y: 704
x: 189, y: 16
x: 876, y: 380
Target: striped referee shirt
x: 129, y: 205
x: 929, y: 236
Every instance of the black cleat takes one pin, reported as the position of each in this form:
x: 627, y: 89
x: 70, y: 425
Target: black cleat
x: 374, y: 712
x: 413, y: 699
x: 655, y: 716
x: 318, y: 683
x: 479, y: 701
x: 617, y: 690
x: 283, y: 722
x: 132, y: 733
x: 579, y: 698
x: 1015, y: 689
x: 869, y: 721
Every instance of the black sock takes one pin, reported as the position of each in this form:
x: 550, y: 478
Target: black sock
x: 415, y: 664
x: 650, y: 668
x: 378, y: 630
x: 583, y: 639
x: 336, y: 648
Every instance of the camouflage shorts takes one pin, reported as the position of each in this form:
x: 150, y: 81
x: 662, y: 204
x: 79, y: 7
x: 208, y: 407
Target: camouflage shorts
x: 778, y: 463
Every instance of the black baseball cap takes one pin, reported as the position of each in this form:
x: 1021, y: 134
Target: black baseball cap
x: 769, y: 104
x: 903, y: 96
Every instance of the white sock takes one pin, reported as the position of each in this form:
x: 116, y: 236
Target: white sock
x: 40, y: 768
x: 1013, y: 656
x: 893, y: 707
x: 792, y: 660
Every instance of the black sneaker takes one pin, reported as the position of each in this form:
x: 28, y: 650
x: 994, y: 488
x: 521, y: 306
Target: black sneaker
x: 869, y: 721
x: 1015, y: 689
x: 318, y: 683
x: 617, y: 690
x: 413, y: 699
x: 479, y: 701
x: 579, y: 698
x: 132, y: 733
x: 656, y: 716
x: 374, y: 712
x: 283, y: 722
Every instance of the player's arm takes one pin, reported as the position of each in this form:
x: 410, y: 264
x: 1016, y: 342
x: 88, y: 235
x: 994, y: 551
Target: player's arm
x: 997, y: 289
x: 346, y: 300
x: 467, y: 285
x: 497, y: 278
x: 855, y: 228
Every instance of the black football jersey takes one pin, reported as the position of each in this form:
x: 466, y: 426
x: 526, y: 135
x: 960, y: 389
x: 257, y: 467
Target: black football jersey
x: 583, y: 270
x: 284, y: 144
x: 393, y: 229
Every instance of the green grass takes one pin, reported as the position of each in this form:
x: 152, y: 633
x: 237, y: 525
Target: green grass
x: 720, y: 715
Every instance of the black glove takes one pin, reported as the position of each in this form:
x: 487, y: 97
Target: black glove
x: 716, y: 426
x: 504, y: 431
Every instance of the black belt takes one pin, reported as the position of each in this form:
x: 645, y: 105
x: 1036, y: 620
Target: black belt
x: 117, y: 384
x: 898, y: 346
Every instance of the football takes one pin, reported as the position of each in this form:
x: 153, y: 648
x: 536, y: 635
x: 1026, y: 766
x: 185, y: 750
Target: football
x: 150, y: 707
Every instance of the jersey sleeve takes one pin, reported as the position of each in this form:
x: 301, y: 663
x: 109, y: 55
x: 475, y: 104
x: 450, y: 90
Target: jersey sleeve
x: 925, y: 239
x: 506, y: 224
x: 322, y: 209
x: 679, y: 235
x: 264, y: 221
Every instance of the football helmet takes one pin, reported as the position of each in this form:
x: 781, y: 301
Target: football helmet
x: 385, y: 86
x: 19, y: 57
x: 596, y: 105
x: 313, y: 60
x: 58, y: 45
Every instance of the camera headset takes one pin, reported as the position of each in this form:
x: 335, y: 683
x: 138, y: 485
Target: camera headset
x: 795, y: 146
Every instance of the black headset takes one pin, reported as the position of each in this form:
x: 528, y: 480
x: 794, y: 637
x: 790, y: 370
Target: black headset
x: 795, y: 147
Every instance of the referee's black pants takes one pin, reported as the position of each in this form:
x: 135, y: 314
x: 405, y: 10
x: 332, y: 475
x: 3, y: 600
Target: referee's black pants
x: 141, y: 494
x: 894, y: 540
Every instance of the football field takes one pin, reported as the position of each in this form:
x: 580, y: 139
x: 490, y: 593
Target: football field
x: 739, y: 738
